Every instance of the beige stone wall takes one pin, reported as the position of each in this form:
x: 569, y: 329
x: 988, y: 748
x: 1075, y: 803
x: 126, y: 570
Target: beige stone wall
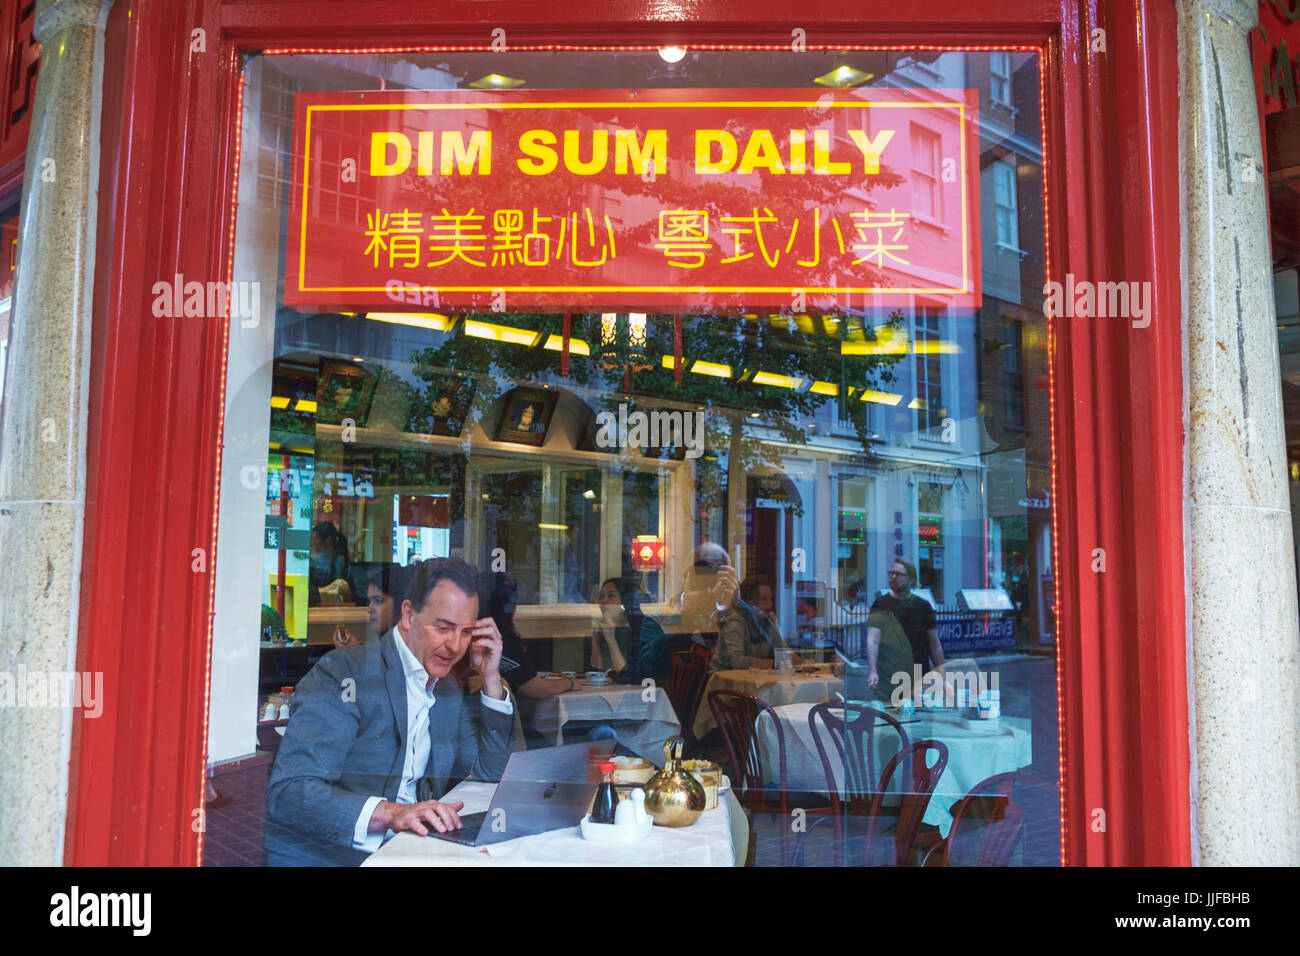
x: 1244, y: 679
x: 42, y: 436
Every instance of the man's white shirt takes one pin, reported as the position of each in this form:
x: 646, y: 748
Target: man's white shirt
x: 419, y: 701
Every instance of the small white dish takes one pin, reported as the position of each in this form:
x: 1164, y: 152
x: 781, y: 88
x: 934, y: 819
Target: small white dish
x: 609, y: 833
x: 985, y: 725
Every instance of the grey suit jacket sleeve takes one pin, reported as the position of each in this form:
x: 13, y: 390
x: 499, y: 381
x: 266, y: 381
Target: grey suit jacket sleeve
x: 475, y: 743
x: 307, y: 790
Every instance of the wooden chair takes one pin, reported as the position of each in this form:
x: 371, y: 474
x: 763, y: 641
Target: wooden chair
x: 852, y: 738
x: 903, y: 823
x: 686, y: 680
x: 986, y: 826
x: 916, y: 798
x: 736, y: 715
x: 848, y: 743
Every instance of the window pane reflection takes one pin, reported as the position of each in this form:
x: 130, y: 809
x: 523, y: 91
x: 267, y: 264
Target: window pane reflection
x: 845, y: 497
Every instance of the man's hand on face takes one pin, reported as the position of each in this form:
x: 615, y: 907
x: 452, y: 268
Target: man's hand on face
x: 726, y: 587
x: 421, y: 818
x: 485, y: 651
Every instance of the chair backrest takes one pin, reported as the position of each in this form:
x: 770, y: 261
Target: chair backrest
x: 912, y: 760
x: 704, y: 655
x: 848, y: 743
x: 988, y: 819
x: 686, y: 682
x: 736, y: 715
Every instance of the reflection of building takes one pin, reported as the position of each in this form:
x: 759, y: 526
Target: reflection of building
x: 1012, y: 344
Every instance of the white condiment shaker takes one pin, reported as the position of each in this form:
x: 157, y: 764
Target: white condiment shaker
x: 625, y: 811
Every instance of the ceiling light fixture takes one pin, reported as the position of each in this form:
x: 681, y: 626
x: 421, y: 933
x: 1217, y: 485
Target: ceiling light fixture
x: 843, y: 77
x: 495, y: 81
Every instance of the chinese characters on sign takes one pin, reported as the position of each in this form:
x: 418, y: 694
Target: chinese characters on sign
x: 663, y: 199
x: 683, y: 237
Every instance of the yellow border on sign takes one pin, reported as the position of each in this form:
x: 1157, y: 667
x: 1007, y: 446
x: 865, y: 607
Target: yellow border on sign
x: 728, y: 104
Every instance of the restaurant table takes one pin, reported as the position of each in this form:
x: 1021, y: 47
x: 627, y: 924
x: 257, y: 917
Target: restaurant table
x: 643, y: 725
x: 974, y: 753
x: 719, y: 837
x: 770, y: 686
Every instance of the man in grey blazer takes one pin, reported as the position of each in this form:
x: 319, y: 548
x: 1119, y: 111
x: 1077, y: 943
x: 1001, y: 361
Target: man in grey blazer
x: 376, y: 730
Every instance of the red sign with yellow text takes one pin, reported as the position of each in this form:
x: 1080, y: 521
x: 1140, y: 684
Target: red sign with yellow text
x: 660, y: 199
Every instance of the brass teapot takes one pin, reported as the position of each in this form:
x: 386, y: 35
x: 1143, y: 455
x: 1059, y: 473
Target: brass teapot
x: 673, y: 797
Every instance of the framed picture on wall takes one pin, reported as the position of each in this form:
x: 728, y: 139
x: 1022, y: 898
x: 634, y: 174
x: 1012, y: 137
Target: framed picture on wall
x: 343, y: 391
x: 445, y: 405
x: 527, y: 416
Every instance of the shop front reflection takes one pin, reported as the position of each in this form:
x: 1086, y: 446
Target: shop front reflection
x: 666, y: 504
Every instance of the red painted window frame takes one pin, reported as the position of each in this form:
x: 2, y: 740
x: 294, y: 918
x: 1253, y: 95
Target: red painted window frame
x: 156, y: 402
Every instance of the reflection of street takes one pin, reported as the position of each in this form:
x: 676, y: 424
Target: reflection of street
x: 1028, y: 686
x: 1028, y: 690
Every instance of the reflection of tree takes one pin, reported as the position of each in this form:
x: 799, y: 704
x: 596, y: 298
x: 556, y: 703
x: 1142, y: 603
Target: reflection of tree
x: 787, y: 196
x: 392, y: 401
x: 806, y: 347
x: 773, y: 344
x: 729, y: 405
x: 287, y: 423
x: 512, y: 500
x: 493, y: 364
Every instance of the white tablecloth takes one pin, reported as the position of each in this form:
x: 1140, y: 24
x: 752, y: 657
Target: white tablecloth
x: 770, y: 686
x: 974, y: 754
x: 717, y: 838
x: 643, y: 725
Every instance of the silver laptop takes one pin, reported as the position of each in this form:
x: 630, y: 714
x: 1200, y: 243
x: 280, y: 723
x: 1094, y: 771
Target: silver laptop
x: 540, y: 790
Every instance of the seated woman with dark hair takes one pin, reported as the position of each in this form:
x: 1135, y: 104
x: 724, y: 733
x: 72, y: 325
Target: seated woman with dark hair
x: 634, y: 651
x: 380, y: 583
x: 605, y: 628
x: 329, y: 567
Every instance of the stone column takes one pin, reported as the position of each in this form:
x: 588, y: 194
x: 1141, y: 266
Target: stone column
x: 43, y: 432
x: 1244, y: 684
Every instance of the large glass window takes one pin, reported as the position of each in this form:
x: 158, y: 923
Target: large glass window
x: 822, y: 478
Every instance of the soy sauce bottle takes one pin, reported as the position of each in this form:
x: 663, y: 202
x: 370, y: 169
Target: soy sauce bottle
x: 602, y: 810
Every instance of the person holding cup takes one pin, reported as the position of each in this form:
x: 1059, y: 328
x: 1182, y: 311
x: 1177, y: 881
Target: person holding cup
x: 747, y: 638
x: 605, y: 630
